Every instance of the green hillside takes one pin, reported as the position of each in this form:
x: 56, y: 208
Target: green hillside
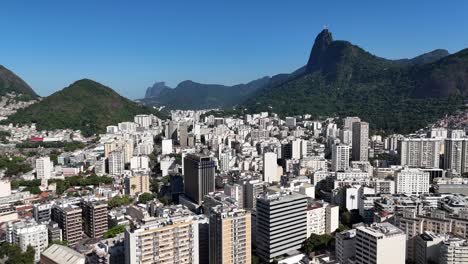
x: 85, y: 105
x: 10, y: 82
x: 342, y: 79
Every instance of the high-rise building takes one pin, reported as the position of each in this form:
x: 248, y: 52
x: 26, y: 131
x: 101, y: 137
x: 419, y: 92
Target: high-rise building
x: 454, y: 251
x: 44, y: 168
x: 183, y: 135
x: 345, y: 246
x: 270, y: 167
x: 229, y: 235
x: 281, y: 223
x: 381, y: 243
x: 164, y: 240
x: 224, y: 160
x: 360, y: 141
x: 419, y: 152
x: 138, y: 183
x: 116, y: 162
x: 199, y: 176
x: 166, y: 146
x: 456, y: 155
x: 340, y: 157
x: 69, y: 219
x: 171, y: 130
x: 411, y: 181
x: 26, y: 234
x: 94, y: 217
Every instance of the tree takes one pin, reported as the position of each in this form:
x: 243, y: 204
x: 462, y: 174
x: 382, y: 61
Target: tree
x: 145, y: 197
x: 133, y: 187
x: 114, y: 231
x: 317, y: 242
x: 15, y: 255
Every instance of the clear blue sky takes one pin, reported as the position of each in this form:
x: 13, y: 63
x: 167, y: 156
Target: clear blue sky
x: 128, y: 45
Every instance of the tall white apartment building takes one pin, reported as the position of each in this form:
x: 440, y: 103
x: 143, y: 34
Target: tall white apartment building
x: 419, y: 152
x: 143, y: 120
x: 270, y: 167
x: 322, y: 218
x: 44, y: 168
x: 348, y: 121
x: 360, y: 141
x: 24, y: 234
x: 454, y: 251
x: 381, y: 243
x: 340, y: 157
x: 171, y: 239
x: 166, y: 146
x: 411, y: 181
x: 224, y: 159
x: 116, y: 162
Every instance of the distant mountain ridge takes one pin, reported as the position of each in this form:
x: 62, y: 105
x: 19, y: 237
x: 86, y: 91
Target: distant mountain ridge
x: 85, y: 105
x: 10, y: 82
x: 393, y: 95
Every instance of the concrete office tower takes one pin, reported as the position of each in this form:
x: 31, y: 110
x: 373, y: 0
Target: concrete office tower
x: 381, y: 243
x: 419, y: 152
x: 270, y: 167
x: 44, y: 168
x: 456, y: 155
x: 345, y: 246
x: 137, y: 184
x: 42, y: 212
x: 411, y: 181
x: 360, y: 141
x: 139, y: 163
x: 143, y: 120
x: 167, y: 146
x: 281, y: 223
x: 322, y: 218
x: 348, y: 121
x: 30, y: 233
x: 94, y: 217
x: 199, y: 177
x: 230, y: 235
x: 427, y: 247
x: 454, y: 251
x: 58, y: 254
x: 183, y: 135
x: 69, y: 219
x: 340, y: 157
x: 165, y: 240
x: 171, y: 130
x: 116, y: 162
